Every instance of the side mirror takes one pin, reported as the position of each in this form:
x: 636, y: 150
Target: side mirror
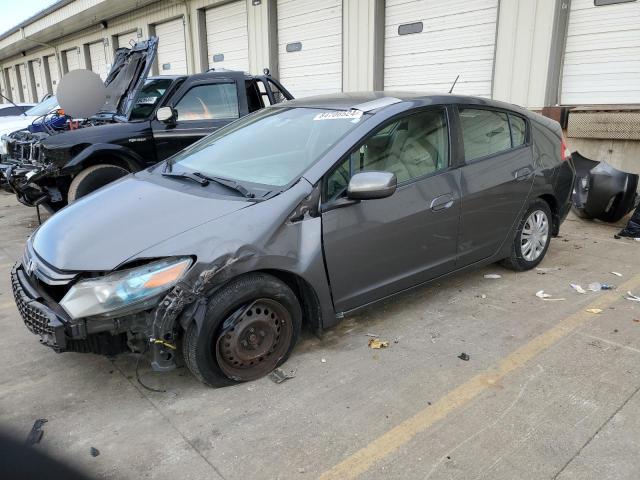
x: 371, y: 185
x: 166, y: 115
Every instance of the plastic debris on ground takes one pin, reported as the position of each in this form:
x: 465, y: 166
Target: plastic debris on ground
x: 492, y: 276
x: 372, y: 335
x: 36, y: 433
x: 377, y: 343
x: 324, y: 360
x: 632, y: 297
x: 597, y: 286
x: 594, y: 310
x: 464, y: 356
x: 578, y: 288
x: 94, y: 451
x: 616, y: 274
x: 545, y: 270
x: 279, y: 375
x: 546, y: 296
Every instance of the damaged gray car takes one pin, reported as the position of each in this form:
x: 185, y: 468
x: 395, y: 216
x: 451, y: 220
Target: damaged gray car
x: 295, y: 215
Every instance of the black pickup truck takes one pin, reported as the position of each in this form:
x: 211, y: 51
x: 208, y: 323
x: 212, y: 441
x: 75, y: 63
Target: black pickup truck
x: 145, y: 120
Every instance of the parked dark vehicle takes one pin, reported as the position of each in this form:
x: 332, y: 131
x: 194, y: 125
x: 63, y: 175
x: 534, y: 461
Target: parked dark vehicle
x: 298, y: 214
x: 602, y: 191
x: 161, y: 117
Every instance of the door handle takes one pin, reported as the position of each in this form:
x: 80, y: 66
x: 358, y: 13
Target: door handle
x: 442, y: 202
x: 523, y: 174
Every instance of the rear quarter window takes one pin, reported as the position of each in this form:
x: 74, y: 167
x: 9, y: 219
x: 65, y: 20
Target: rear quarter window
x: 518, y: 130
x: 484, y: 132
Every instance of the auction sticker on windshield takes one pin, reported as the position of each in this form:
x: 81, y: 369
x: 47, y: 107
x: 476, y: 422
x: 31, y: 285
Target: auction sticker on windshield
x: 344, y: 114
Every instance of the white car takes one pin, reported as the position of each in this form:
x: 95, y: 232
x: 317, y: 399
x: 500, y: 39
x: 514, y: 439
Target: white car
x: 11, y: 124
x: 12, y: 110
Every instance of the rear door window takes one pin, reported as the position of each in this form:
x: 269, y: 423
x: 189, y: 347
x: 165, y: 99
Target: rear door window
x: 484, y: 132
x: 215, y: 101
x: 518, y: 130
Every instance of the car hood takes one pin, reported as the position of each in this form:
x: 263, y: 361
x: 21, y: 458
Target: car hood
x: 128, y: 73
x: 17, y: 123
x: 101, y: 231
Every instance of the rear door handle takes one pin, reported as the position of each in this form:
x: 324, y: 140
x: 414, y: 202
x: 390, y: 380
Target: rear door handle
x: 442, y: 202
x: 523, y: 174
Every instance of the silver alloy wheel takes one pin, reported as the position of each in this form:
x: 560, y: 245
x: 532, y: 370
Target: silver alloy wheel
x: 535, y: 234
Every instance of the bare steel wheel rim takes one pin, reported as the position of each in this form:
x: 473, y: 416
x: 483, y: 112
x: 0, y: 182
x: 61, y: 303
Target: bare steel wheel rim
x: 535, y: 234
x: 253, y: 344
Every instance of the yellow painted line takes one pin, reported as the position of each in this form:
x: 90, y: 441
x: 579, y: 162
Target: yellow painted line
x: 383, y: 446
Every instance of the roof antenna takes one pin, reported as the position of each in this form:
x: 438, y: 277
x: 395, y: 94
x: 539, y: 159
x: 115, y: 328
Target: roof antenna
x: 454, y: 83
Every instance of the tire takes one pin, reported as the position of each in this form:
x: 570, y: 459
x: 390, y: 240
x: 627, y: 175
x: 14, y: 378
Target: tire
x: 257, y: 309
x: 580, y: 213
x: 527, y: 256
x: 93, y: 178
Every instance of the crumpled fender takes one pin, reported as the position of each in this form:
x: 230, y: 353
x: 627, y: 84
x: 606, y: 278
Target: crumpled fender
x: 134, y: 161
x: 602, y: 191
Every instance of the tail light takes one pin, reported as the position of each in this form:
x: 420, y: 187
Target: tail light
x: 564, y: 150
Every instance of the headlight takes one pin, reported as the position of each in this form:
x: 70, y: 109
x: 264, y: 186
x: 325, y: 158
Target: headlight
x: 133, y: 289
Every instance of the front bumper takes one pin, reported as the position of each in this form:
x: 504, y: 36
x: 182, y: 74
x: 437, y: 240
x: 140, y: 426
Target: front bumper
x: 21, y: 179
x: 45, y: 318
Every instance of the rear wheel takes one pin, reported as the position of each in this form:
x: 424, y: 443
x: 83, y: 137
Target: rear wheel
x: 93, y: 178
x: 250, y: 328
x: 532, y: 238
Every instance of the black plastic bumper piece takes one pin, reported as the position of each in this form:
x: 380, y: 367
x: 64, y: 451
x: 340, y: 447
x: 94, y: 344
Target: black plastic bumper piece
x: 53, y: 330
x: 602, y: 191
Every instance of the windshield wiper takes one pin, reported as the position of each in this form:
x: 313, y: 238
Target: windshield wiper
x: 204, y: 181
x: 233, y: 185
x: 189, y: 176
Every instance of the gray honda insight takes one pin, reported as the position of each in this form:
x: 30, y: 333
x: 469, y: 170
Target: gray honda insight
x: 295, y: 215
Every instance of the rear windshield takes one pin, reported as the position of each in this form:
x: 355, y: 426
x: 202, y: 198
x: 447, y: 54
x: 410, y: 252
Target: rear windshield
x: 270, y: 147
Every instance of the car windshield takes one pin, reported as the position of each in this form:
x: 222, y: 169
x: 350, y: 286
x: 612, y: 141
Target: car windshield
x: 43, y: 108
x: 271, y: 147
x: 148, y: 97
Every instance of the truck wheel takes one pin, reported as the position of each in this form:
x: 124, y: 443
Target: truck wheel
x: 532, y: 238
x: 92, y: 178
x: 250, y: 328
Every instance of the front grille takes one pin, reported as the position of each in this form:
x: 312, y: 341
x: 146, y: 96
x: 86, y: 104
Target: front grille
x: 34, y: 315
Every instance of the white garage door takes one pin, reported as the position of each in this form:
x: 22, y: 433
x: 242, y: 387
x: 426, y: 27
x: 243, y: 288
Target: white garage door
x: 227, y: 37
x: 428, y: 44
x: 39, y: 80
x: 15, y: 88
x: 98, y: 59
x: 124, y: 39
x: 172, y: 53
x: 310, y: 46
x: 602, y: 54
x: 24, y: 82
x: 73, y: 59
x: 54, y: 75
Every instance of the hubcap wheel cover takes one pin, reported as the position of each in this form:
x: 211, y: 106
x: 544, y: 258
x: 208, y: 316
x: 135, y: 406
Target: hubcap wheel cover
x: 256, y: 341
x: 535, y: 234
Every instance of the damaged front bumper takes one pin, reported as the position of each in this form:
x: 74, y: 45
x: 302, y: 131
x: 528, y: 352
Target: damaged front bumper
x: 151, y: 332
x: 602, y: 191
x: 22, y: 179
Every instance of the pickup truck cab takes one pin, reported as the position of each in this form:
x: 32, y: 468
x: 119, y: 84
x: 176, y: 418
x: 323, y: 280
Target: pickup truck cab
x: 166, y: 114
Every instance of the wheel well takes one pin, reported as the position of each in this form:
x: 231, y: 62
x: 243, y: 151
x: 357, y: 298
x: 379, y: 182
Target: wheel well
x: 553, y: 206
x: 106, y: 160
x: 311, y: 313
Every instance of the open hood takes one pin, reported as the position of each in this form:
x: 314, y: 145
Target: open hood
x: 128, y: 73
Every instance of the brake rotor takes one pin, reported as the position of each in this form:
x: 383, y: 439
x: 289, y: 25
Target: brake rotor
x: 255, y: 341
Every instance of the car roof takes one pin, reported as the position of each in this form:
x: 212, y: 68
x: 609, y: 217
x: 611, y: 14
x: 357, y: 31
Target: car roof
x: 220, y: 72
x: 375, y: 101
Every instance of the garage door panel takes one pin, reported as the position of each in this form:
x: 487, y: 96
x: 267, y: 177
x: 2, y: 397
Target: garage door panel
x: 457, y: 37
x: 602, y: 54
x: 24, y: 82
x: 38, y: 77
x: 98, y: 59
x: 398, y: 12
x: 317, y: 67
x: 172, y: 53
x: 227, y: 36
x: 54, y: 75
